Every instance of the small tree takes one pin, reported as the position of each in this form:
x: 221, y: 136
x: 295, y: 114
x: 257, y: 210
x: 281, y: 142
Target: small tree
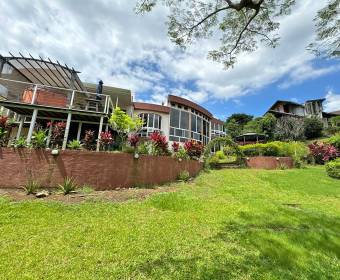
x: 313, y: 128
x: 289, y: 128
x: 123, y: 124
x: 267, y: 125
x: 233, y: 128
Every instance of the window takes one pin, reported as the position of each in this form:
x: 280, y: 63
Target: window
x: 151, y: 122
x: 184, y: 120
x: 174, y: 117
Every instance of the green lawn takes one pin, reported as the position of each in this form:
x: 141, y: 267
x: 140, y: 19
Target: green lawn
x: 228, y: 224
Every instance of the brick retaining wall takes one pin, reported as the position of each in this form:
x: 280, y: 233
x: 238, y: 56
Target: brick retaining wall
x: 100, y: 170
x: 262, y: 162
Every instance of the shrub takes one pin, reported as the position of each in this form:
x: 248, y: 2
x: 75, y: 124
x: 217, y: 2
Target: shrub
x: 160, y: 145
x: 193, y: 148
x: 313, y: 128
x: 322, y: 152
x: 68, y: 186
x: 4, y: 124
x: 74, y: 145
x: 220, y: 155
x: 143, y: 148
x: 89, y: 141
x: 184, y: 176
x: 20, y: 143
x: 334, y: 141
x: 106, y: 140
x: 181, y: 154
x: 333, y: 168
x: 134, y: 140
x: 175, y: 147
x: 269, y: 149
x: 289, y: 129
x: 39, y: 138
x: 58, y: 131
x: 31, y: 187
x: 213, y: 160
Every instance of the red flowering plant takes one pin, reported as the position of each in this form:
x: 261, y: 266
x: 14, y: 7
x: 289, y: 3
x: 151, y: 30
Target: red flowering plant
x: 4, y: 124
x: 134, y: 140
x: 106, y: 140
x: 193, y: 148
x: 58, y: 131
x: 175, y: 147
x: 159, y: 143
x: 89, y: 142
x: 322, y: 152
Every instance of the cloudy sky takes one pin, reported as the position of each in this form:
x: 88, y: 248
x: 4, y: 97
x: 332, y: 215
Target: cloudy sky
x: 105, y: 39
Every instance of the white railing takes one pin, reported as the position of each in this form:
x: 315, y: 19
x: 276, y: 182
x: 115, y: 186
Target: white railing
x: 55, y: 97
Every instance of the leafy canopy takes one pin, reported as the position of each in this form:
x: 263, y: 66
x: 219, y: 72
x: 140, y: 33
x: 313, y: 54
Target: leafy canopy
x: 241, y: 25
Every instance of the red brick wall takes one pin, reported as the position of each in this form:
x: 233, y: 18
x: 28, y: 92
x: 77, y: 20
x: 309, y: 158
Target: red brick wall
x: 99, y: 170
x: 261, y: 162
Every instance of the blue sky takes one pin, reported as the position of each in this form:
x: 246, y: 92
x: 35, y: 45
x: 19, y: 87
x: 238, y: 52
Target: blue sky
x: 106, y: 40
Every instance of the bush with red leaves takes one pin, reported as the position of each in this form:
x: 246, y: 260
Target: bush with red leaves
x: 4, y: 124
x: 160, y: 143
x: 175, y: 147
x: 193, y: 148
x: 133, y: 140
x: 89, y: 140
x: 322, y: 152
x: 57, y: 135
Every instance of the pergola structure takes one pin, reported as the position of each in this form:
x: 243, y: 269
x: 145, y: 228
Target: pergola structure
x: 41, y: 89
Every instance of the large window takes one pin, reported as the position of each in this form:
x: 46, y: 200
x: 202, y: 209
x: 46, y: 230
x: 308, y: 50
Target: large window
x: 151, y: 122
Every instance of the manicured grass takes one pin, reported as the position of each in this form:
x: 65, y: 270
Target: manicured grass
x: 228, y: 224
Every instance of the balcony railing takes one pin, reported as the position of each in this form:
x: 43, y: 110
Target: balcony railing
x: 55, y: 97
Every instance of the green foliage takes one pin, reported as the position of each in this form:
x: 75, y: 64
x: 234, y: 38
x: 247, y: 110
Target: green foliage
x: 181, y: 154
x: 267, y: 125
x: 233, y: 128
x: 184, y: 176
x: 31, y: 187
x: 313, y: 128
x: 39, y: 138
x: 144, y: 148
x: 289, y: 129
x: 253, y: 126
x: 334, y: 141
x: 236, y: 122
x: 68, y: 186
x: 20, y: 143
x: 87, y: 189
x: 220, y: 155
x: 74, y: 145
x: 333, y: 168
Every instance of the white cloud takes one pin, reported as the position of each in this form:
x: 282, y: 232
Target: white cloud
x: 107, y: 40
x: 332, y: 102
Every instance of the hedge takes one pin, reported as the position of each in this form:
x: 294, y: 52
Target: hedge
x: 333, y: 168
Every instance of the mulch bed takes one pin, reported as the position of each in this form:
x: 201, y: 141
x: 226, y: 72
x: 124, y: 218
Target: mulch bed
x: 119, y: 195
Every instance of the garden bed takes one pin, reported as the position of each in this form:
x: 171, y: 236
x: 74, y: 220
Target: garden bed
x: 267, y: 162
x: 100, y: 170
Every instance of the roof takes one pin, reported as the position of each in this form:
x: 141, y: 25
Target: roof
x: 121, y: 97
x: 284, y: 114
x: 217, y: 121
x: 151, y: 107
x: 313, y: 100
x: 335, y: 113
x: 251, y: 136
x: 45, y: 72
x: 285, y: 102
x: 190, y: 104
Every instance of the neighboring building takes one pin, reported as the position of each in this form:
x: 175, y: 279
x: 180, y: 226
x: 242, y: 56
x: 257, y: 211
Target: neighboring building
x: 311, y: 108
x: 37, y: 90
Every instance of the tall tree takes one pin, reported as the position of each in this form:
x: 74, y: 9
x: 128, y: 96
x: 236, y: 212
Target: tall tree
x: 240, y: 24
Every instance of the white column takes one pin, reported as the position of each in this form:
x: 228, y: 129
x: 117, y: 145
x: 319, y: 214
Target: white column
x: 106, y: 128
x: 1, y: 110
x: 34, y: 97
x: 67, y: 130
x: 49, y: 134
x: 31, y: 129
x: 99, y: 132
x: 79, y: 130
x: 21, y: 125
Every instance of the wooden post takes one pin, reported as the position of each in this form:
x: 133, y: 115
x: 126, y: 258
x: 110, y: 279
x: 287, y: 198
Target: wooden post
x: 79, y: 131
x: 67, y: 130
x: 72, y: 100
x: 34, y: 94
x: 21, y: 125
x: 49, y: 134
x: 99, y: 132
x: 31, y: 129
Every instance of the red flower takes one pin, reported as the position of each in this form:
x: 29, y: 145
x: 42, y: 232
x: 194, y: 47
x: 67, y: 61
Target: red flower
x: 106, y: 138
x: 322, y: 152
x: 133, y: 140
x: 160, y: 143
x: 193, y: 148
x: 175, y: 147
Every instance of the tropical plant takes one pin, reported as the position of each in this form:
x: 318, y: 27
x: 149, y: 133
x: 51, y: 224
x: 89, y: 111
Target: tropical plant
x: 57, y: 135
x: 159, y: 144
x: 20, y: 143
x: 181, y: 154
x: 89, y: 141
x: 193, y: 148
x: 289, y: 129
x: 4, y: 124
x: 133, y: 140
x: 313, y: 128
x: 333, y: 168
x: 31, y: 187
x: 123, y: 124
x: 322, y: 152
x: 144, y: 148
x: 106, y: 140
x: 68, y: 186
x: 236, y: 122
x: 184, y: 176
x: 39, y: 138
x: 335, y: 141
x: 220, y: 155
x: 267, y: 125
x: 74, y: 145
x: 175, y: 147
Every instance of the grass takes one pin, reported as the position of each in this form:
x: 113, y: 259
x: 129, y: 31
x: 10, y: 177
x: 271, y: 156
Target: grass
x: 228, y: 224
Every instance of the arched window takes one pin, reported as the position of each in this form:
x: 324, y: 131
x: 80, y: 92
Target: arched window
x: 151, y: 122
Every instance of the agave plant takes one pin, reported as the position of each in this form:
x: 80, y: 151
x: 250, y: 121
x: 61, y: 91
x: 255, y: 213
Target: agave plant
x: 68, y: 186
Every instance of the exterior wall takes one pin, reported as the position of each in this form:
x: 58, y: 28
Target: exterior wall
x: 101, y: 170
x: 165, y: 125
x: 262, y: 162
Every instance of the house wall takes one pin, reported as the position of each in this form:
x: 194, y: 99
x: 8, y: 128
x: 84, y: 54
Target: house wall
x: 100, y: 170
